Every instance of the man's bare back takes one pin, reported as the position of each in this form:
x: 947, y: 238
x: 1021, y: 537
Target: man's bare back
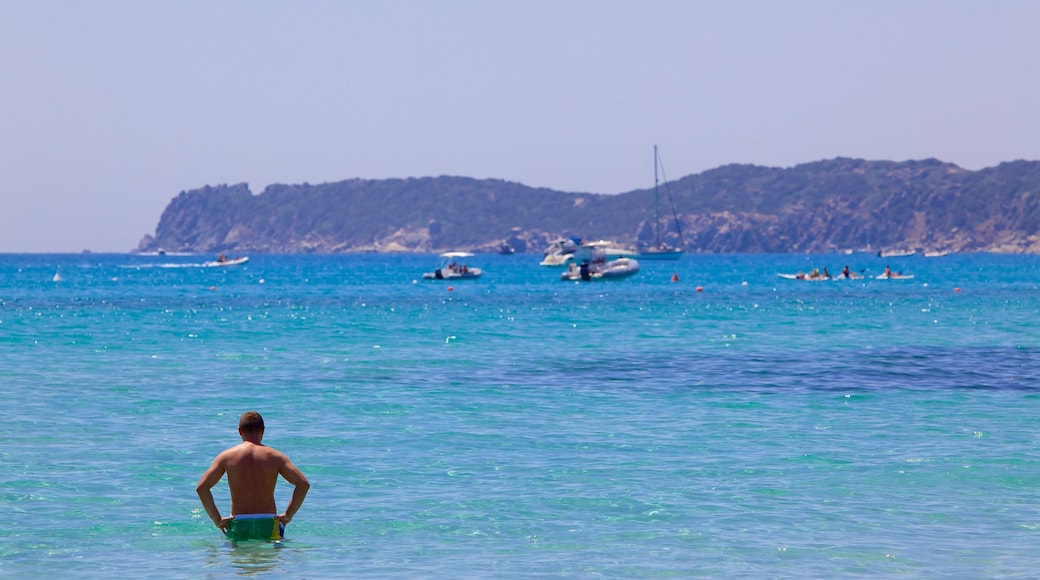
x: 252, y: 470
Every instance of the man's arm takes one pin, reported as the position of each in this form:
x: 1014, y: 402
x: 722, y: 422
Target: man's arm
x: 301, y: 486
x: 209, y: 479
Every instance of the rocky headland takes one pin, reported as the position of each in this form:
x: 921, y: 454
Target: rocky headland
x: 814, y: 207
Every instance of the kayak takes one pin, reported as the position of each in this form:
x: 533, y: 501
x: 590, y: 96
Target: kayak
x: 805, y: 277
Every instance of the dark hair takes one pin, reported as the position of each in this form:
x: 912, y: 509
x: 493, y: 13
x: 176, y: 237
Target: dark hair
x: 251, y: 422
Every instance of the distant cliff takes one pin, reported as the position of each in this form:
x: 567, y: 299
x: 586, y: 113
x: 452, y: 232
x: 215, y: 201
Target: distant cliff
x: 814, y: 207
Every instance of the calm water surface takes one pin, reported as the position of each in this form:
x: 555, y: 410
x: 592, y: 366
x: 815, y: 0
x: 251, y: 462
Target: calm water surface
x: 520, y: 426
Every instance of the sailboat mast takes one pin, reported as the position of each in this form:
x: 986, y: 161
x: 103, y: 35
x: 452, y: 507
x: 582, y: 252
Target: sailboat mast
x: 657, y: 212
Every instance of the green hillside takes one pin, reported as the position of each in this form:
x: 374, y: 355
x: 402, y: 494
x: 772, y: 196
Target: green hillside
x: 820, y: 206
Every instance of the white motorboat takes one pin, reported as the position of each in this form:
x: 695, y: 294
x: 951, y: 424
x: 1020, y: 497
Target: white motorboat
x: 559, y: 252
x: 591, y: 263
x: 223, y: 260
x: 897, y: 253
x: 611, y: 251
x: 454, y: 268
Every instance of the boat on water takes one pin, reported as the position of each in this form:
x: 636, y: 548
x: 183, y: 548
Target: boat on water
x: 896, y: 253
x: 559, y: 252
x: 590, y: 263
x: 601, y: 270
x: 888, y: 274
x: 661, y: 250
x: 815, y: 276
x: 453, y: 268
x: 805, y: 277
x: 223, y: 260
x: 611, y: 251
x: 847, y: 274
x: 821, y: 278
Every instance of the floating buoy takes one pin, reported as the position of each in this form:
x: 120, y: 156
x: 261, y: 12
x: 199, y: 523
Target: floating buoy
x: 57, y: 277
x: 957, y: 289
x: 700, y: 289
x: 675, y: 277
x: 451, y: 288
x: 213, y: 288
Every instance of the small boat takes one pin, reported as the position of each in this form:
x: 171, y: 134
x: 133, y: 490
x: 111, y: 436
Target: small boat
x: 936, y: 253
x: 506, y: 250
x: 603, y: 270
x: 896, y: 253
x: 888, y: 274
x: 804, y: 277
x: 660, y: 250
x: 591, y: 263
x: 814, y: 276
x: 223, y: 260
x: 453, y: 269
x: 847, y: 274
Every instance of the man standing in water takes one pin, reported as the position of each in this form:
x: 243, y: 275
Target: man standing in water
x: 252, y: 472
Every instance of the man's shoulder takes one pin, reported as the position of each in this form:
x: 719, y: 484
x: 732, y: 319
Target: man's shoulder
x: 227, y: 453
x: 235, y: 448
x: 239, y: 450
x: 263, y: 451
x: 271, y: 452
x: 246, y: 449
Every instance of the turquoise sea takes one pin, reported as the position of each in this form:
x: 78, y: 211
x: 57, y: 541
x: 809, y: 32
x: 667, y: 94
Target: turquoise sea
x: 729, y: 424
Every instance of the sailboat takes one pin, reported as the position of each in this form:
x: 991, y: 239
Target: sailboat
x: 660, y: 250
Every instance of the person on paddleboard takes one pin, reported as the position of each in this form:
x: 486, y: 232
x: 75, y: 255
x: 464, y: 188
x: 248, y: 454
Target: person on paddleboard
x: 252, y: 471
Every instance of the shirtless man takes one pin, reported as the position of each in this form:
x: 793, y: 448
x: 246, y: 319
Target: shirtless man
x: 252, y: 472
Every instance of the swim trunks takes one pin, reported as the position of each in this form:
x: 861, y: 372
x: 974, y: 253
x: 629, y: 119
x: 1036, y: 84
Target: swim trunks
x: 255, y: 527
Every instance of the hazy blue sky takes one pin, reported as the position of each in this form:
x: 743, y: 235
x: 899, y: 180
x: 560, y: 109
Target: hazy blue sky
x: 108, y: 109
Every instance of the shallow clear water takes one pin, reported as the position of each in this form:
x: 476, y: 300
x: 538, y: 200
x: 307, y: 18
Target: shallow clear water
x: 519, y: 426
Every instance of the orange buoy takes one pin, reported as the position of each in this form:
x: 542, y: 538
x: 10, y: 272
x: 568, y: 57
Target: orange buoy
x: 957, y: 289
x: 212, y: 288
x: 451, y: 288
x: 700, y: 289
x: 675, y: 277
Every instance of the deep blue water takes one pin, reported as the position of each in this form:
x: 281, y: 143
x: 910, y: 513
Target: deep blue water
x: 730, y: 424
